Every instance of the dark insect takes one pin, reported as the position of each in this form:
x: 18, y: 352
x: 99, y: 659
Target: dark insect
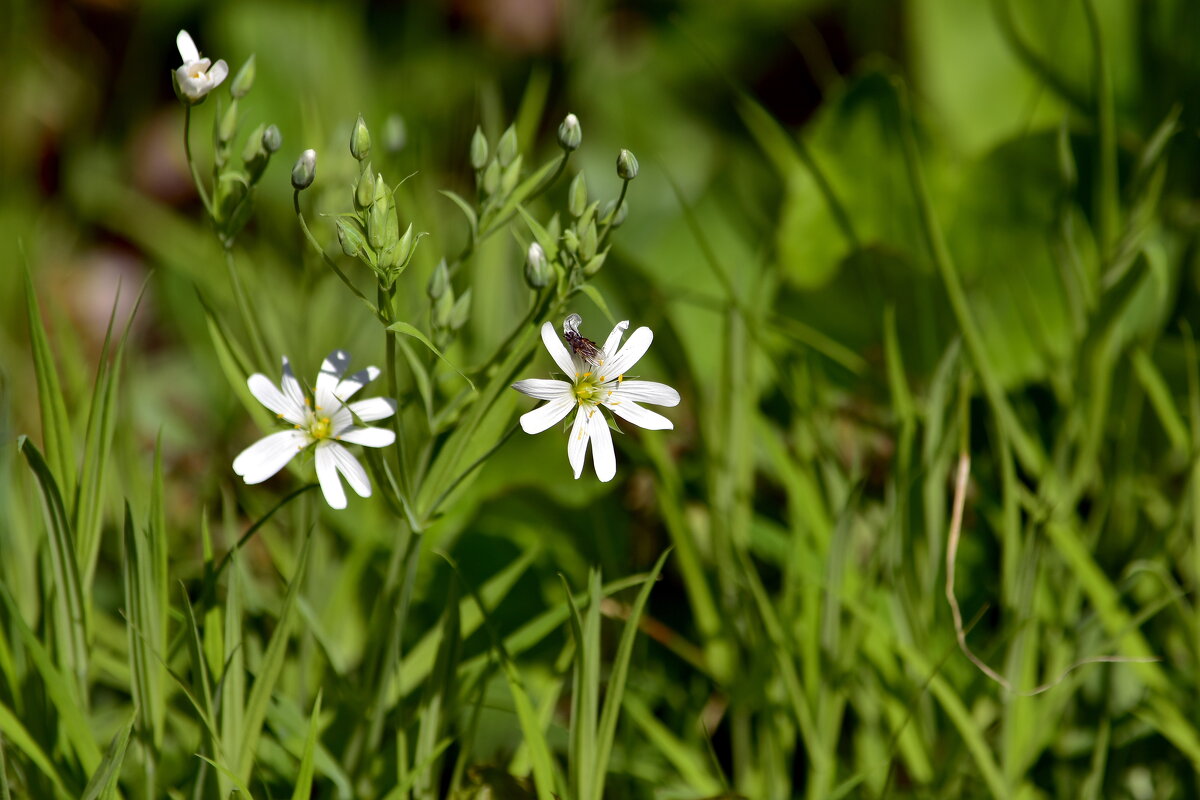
x: 580, y: 345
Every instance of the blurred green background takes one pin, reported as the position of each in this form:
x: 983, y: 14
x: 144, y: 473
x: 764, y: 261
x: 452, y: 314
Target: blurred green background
x: 868, y: 235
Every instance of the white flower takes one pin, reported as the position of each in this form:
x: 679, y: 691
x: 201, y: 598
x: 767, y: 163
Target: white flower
x: 597, y: 380
x: 194, y: 78
x: 324, y: 423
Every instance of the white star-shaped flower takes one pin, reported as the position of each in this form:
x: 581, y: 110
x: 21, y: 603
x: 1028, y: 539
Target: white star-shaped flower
x: 324, y: 422
x: 597, y: 380
x: 195, y: 78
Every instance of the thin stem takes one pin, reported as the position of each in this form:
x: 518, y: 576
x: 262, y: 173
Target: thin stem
x: 608, y: 221
x: 248, y: 318
x: 394, y: 391
x: 330, y: 262
x: 187, y: 150
x: 474, y: 464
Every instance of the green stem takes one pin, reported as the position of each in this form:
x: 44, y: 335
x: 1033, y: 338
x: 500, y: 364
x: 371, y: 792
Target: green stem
x: 441, y: 498
x: 608, y: 221
x: 312, y: 240
x: 248, y: 318
x: 394, y: 391
x: 1107, y: 198
x: 187, y: 150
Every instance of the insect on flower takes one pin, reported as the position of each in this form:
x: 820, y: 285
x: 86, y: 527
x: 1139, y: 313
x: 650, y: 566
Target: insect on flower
x: 580, y: 345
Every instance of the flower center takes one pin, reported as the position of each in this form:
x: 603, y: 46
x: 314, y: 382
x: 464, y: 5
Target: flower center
x: 321, y: 428
x: 586, y: 388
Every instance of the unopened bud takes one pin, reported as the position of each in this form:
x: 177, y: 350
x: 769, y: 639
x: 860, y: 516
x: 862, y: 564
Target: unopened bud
x: 627, y: 166
x: 570, y: 135
x: 587, y: 242
x: 460, y: 311
x: 377, y: 216
x: 577, y: 196
x: 255, y: 155
x: 491, y: 177
x: 351, y: 237
x: 364, y: 192
x: 360, y: 140
x: 244, y: 80
x: 228, y: 126
x: 479, y: 149
x: 438, y: 281
x: 305, y: 170
x: 537, y: 268
x: 506, y: 148
x: 272, y: 140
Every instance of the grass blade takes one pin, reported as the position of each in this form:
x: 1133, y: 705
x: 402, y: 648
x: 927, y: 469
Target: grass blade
x: 56, y: 425
x: 103, y: 785
x: 12, y: 728
x: 304, y: 779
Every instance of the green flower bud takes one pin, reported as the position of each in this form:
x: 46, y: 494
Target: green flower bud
x: 627, y: 166
x: 577, y: 196
x: 587, y: 242
x: 351, y: 237
x: 404, y: 248
x: 377, y: 216
x: 479, y: 149
x: 243, y: 80
x: 506, y: 148
x: 232, y: 188
x: 619, y: 217
x: 272, y: 140
x: 228, y: 126
x: 439, y: 281
x: 254, y: 155
x: 510, y: 176
x: 491, y: 177
x: 554, y: 227
x: 395, y: 133
x: 593, y: 266
x: 571, y: 240
x: 364, y: 192
x: 461, y: 311
x: 360, y: 140
x: 570, y: 135
x: 537, y: 269
x: 443, y: 306
x: 305, y: 170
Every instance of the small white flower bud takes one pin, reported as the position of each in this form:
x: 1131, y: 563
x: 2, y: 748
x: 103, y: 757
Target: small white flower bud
x: 627, y: 165
x: 305, y: 170
x: 537, y: 269
x: 272, y: 140
x: 570, y: 135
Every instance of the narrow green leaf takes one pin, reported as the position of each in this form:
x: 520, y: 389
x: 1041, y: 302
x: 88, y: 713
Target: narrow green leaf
x: 232, y: 686
x: 272, y: 667
x: 5, y: 792
x: 409, y: 330
x: 12, y: 728
x: 304, y: 779
x: 597, y: 298
x: 230, y: 776
x: 437, y: 704
x: 690, y: 766
x: 56, y: 425
x: 236, y: 367
x: 1160, y: 398
x: 619, y: 675
x: 549, y: 243
x: 103, y: 785
x: 69, y: 613
x: 146, y: 633
x: 465, y: 207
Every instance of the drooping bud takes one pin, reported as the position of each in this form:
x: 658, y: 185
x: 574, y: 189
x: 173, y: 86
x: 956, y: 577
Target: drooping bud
x: 570, y: 135
x: 537, y: 269
x: 244, y: 80
x: 506, y: 148
x: 360, y: 140
x: 272, y: 139
x: 577, y: 196
x: 627, y: 165
x: 438, y: 281
x: 305, y: 170
x: 479, y: 149
x: 615, y: 220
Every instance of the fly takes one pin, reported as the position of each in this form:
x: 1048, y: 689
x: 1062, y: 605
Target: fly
x: 580, y: 345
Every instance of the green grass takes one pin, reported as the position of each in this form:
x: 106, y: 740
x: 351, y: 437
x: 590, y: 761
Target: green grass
x: 927, y: 523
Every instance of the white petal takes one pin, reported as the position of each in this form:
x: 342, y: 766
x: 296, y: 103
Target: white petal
x: 603, y: 457
x: 614, y: 339
x: 346, y: 389
x: 647, y: 392
x: 544, y: 418
x: 331, y: 486
x: 192, y: 88
x: 642, y: 417
x: 187, y: 48
x: 543, y: 389
x: 218, y: 73
x: 291, y: 387
x: 269, y: 395
x: 558, y: 350
x: 373, y: 409
x: 328, y: 379
x: 635, y: 347
x: 577, y: 444
x: 353, y: 471
x: 268, y: 455
x: 368, y: 437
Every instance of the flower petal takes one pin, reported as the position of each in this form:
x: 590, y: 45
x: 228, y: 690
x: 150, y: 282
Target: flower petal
x: 218, y: 73
x: 577, y: 444
x: 332, y: 369
x: 291, y: 387
x: 558, y: 350
x: 603, y: 457
x: 614, y: 339
x: 646, y: 392
x: 353, y: 471
x: 268, y: 455
x: 346, y: 389
x: 187, y: 48
x: 543, y: 389
x: 368, y: 437
x: 373, y: 408
x: 642, y: 417
x: 635, y: 347
x: 331, y: 486
x: 269, y: 395
x: 544, y: 418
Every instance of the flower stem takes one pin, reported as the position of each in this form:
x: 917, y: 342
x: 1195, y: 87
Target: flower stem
x: 187, y: 150
x: 331, y: 263
x: 389, y: 340
x: 616, y: 210
x: 248, y: 318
